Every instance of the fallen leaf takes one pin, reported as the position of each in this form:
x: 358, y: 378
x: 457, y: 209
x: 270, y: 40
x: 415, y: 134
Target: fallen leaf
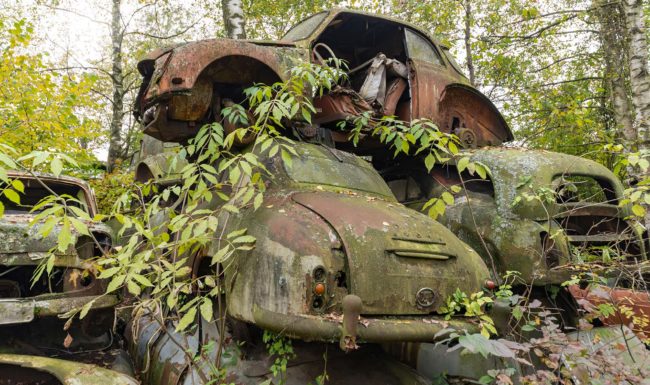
x: 67, y: 341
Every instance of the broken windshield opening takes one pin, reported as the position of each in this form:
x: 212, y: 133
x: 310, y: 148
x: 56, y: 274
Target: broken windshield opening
x: 305, y: 28
x: 35, y: 192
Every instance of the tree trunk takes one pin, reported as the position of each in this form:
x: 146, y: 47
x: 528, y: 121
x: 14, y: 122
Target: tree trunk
x: 613, y: 46
x: 233, y: 19
x: 639, y: 76
x: 468, y: 42
x: 117, y: 79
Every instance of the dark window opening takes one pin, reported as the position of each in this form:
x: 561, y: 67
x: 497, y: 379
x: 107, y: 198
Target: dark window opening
x: 577, y: 188
x: 16, y: 282
x: 15, y: 374
x: 405, y: 189
x: 448, y: 176
x: 35, y: 192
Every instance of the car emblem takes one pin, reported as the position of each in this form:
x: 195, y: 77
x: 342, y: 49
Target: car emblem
x: 425, y: 297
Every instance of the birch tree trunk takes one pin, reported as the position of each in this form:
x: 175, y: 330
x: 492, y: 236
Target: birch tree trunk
x: 639, y: 76
x: 613, y: 45
x: 468, y: 42
x: 117, y: 80
x: 233, y: 19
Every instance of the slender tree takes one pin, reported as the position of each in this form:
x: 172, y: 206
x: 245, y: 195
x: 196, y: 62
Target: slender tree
x: 468, y: 41
x: 117, y: 81
x: 638, y: 63
x: 613, y: 42
x: 233, y: 19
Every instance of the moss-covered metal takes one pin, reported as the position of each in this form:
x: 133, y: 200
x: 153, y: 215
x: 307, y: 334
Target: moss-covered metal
x: 19, y: 369
x: 508, y: 230
x: 329, y: 218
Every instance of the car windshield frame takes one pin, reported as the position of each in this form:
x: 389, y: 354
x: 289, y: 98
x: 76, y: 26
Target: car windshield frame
x: 299, y: 28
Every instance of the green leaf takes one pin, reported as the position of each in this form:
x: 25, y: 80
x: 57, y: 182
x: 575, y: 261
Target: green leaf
x: 448, y: 198
x: 86, y: 308
x: 429, y: 161
x: 286, y: 158
x: 65, y: 236
x: 187, y: 319
x: 56, y: 166
x: 12, y: 196
x: 220, y: 255
x: 206, y: 309
x: 109, y: 272
x: 462, y: 164
x: 115, y: 283
x: 480, y: 170
x: 79, y: 226
x: 18, y: 185
x: 244, y: 239
x: 144, y: 281
x: 133, y: 288
x: 638, y: 210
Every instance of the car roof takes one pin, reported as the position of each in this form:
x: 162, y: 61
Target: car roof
x: 333, y: 12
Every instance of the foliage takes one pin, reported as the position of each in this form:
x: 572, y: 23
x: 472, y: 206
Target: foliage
x: 280, y: 348
x: 42, y: 109
x: 109, y: 188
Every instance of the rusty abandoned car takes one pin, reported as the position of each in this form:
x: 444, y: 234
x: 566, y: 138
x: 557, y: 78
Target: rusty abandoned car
x: 30, y: 330
x: 547, y: 216
x: 328, y: 226
x: 394, y: 69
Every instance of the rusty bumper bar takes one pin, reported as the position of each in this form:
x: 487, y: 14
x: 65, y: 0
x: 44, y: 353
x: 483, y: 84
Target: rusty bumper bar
x: 313, y: 328
x: 23, y: 310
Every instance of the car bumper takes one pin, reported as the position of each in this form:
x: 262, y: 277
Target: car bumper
x: 23, y: 310
x: 319, y: 328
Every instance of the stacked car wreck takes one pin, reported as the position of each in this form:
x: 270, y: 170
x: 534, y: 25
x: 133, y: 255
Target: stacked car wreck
x: 372, y: 258
x: 343, y: 253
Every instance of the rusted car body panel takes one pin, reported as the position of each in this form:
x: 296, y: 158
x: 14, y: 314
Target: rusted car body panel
x: 632, y: 307
x: 72, y: 282
x: 394, y: 69
x: 22, y: 369
x: 547, y: 242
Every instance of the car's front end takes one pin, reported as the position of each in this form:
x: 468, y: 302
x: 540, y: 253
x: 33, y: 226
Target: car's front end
x: 27, y: 246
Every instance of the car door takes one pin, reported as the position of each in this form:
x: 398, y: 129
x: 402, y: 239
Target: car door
x: 428, y: 75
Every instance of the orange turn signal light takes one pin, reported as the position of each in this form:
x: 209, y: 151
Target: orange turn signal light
x: 319, y: 289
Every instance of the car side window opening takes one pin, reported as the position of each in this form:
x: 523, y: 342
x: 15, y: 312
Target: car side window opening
x: 420, y: 48
x: 406, y: 190
x: 578, y: 188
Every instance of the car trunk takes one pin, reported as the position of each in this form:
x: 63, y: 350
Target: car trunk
x: 400, y: 262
